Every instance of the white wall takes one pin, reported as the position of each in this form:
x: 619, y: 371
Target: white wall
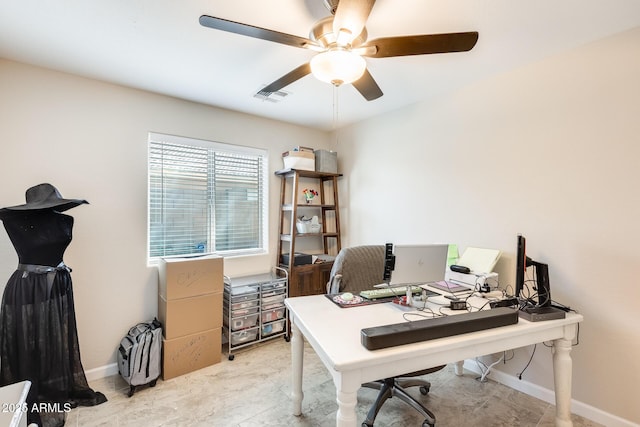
x: 550, y: 151
x: 89, y: 139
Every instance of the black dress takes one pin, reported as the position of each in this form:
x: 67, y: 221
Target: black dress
x: 38, y: 334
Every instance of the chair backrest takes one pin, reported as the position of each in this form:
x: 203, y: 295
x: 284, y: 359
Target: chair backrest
x: 357, y: 268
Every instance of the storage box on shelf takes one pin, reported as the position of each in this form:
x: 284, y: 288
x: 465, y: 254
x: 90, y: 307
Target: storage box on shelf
x: 303, y: 160
x: 326, y: 161
x: 254, y: 309
x: 190, y: 310
x: 298, y: 259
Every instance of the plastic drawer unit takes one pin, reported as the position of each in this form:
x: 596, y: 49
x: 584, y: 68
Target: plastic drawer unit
x: 254, y: 309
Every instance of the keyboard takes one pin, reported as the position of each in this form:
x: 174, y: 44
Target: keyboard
x: 397, y: 291
x: 422, y: 330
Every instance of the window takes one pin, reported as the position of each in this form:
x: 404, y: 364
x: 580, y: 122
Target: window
x: 205, y: 197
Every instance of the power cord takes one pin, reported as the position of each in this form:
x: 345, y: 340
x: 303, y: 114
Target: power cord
x: 529, y: 362
x: 425, y: 313
x: 485, y: 371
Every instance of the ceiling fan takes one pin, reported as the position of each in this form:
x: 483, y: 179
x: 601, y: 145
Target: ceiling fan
x: 341, y: 43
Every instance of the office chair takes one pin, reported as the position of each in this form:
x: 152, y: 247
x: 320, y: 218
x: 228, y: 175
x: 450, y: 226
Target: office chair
x: 359, y: 268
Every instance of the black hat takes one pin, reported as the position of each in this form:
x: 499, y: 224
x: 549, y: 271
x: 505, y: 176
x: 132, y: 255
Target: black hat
x: 46, y: 196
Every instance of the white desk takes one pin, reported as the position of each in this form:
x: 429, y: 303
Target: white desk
x: 334, y: 334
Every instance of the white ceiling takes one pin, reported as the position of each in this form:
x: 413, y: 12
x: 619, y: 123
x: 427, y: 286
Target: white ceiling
x: 159, y: 46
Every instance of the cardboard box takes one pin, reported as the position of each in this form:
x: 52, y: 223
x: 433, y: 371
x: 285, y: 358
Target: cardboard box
x: 190, y: 277
x: 186, y: 316
x: 300, y: 160
x: 190, y: 353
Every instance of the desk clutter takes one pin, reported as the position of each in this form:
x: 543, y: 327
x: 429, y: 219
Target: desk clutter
x: 354, y: 301
x: 377, y: 296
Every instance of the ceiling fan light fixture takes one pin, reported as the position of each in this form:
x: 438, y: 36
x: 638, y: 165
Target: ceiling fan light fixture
x: 344, y: 37
x: 338, y: 66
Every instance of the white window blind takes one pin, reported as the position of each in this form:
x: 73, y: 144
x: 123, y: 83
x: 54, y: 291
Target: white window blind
x: 205, y: 197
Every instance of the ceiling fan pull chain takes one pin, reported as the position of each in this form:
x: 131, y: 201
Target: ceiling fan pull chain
x: 335, y: 111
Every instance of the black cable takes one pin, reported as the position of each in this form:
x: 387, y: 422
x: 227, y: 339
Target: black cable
x: 529, y: 362
x: 508, y: 290
x: 427, y: 313
x: 528, y: 298
x: 482, y: 307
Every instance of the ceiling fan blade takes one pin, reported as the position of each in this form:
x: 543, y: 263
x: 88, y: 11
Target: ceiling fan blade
x: 256, y: 32
x: 350, y: 19
x: 422, y: 44
x: 286, y: 80
x: 368, y: 87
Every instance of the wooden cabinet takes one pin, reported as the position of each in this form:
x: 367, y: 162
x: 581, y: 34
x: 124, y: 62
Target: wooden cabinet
x: 308, y: 279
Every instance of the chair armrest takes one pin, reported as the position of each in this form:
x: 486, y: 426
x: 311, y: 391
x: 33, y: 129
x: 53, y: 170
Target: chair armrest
x: 333, y: 285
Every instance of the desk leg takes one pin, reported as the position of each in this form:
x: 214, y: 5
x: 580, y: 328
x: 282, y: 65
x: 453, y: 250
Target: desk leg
x: 297, y: 355
x: 346, y: 415
x: 562, y: 365
x: 459, y: 367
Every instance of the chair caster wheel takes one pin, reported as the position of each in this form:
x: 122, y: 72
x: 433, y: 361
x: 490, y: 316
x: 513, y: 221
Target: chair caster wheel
x: 426, y: 423
x: 286, y: 338
x: 153, y: 383
x: 132, y: 390
x: 367, y: 425
x: 231, y: 356
x: 424, y: 390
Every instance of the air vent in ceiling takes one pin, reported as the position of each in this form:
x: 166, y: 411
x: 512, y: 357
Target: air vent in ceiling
x: 276, y: 96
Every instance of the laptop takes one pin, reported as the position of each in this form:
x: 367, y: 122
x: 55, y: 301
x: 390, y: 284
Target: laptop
x: 419, y: 264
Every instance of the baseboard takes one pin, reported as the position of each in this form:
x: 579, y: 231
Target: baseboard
x: 101, y: 372
x: 546, y: 395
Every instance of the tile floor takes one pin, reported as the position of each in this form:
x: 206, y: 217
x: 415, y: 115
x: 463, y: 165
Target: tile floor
x: 253, y: 390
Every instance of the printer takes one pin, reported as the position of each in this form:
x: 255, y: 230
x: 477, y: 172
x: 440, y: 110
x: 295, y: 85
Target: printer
x: 482, y: 282
x: 480, y: 262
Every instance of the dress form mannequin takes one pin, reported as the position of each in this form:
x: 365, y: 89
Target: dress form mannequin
x: 38, y: 333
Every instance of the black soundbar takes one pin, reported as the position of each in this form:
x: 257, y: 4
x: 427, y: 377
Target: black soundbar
x: 422, y: 330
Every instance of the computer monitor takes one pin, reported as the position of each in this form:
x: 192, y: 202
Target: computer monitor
x: 542, y: 285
